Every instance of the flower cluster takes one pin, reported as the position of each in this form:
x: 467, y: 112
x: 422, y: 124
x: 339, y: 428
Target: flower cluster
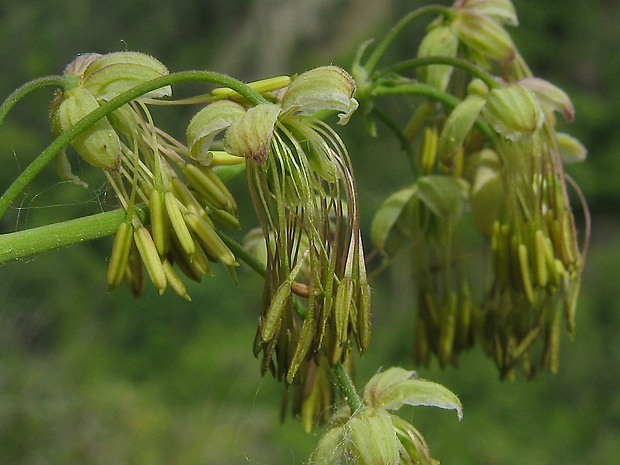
x: 495, y: 153
x: 182, y: 198
x: 302, y: 187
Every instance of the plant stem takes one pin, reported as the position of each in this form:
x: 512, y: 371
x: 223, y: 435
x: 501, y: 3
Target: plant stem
x: 347, y: 388
x: 35, y: 84
x: 20, y: 244
x: 471, y: 68
x: 245, y: 256
x: 105, y: 109
x: 398, y: 27
x: 425, y: 90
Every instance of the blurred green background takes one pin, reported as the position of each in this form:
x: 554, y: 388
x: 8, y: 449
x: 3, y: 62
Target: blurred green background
x: 88, y: 376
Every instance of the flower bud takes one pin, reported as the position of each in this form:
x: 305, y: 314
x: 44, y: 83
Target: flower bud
x: 414, y: 445
x: 477, y: 87
x: 571, y: 150
x: 112, y: 74
x: 78, y: 66
x: 439, y: 41
x: 502, y: 11
x: 550, y: 96
x: 484, y: 35
x: 250, y: 135
x: 372, y: 439
x: 207, y: 124
x: 324, y: 88
x: 457, y: 127
x: 329, y: 450
x: 513, y: 111
x: 99, y: 145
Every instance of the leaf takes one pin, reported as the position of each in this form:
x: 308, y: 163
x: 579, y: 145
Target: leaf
x: 396, y: 386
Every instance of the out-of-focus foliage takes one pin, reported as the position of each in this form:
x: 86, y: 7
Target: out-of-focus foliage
x: 92, y: 377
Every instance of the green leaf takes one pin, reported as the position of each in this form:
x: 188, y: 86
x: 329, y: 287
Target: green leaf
x: 396, y: 386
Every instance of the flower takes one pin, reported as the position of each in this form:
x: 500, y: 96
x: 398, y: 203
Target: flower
x: 303, y: 190
x: 144, y: 165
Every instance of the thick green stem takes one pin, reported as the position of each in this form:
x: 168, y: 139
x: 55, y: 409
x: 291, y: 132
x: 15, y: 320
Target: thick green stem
x: 55, y: 147
x: 471, y: 68
x: 21, y: 244
x: 398, y: 27
x: 347, y: 388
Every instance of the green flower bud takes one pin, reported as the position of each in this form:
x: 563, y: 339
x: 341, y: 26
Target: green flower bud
x: 550, y: 96
x: 99, y: 145
x: 324, y: 88
x: 502, y: 11
x: 484, y: 35
x: 513, y: 111
x: 250, y: 135
x: 413, y: 443
x: 329, y: 450
x: 571, y: 150
x: 78, y: 66
x: 457, y: 127
x: 439, y: 41
x: 372, y: 439
x: 477, y: 87
x: 111, y: 74
x: 207, y: 124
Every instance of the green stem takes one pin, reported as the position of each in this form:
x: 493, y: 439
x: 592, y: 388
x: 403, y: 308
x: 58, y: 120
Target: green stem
x: 20, y: 244
x: 398, y: 27
x: 55, y: 147
x: 31, y: 86
x: 347, y: 388
x: 245, y: 256
x: 471, y: 68
x: 425, y: 90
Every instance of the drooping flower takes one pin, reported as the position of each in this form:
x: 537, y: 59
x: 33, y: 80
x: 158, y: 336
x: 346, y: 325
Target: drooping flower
x: 302, y: 186
x: 144, y: 165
